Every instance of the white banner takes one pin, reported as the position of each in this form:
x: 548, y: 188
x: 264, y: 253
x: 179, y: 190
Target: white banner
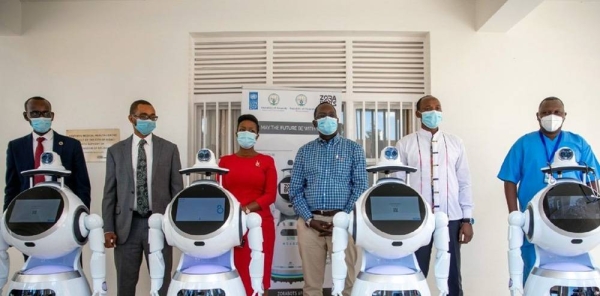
x: 285, y: 116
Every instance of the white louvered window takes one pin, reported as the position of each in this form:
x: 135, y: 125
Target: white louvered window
x: 381, y: 75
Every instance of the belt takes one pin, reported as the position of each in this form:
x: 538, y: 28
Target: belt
x: 329, y: 213
x: 138, y: 215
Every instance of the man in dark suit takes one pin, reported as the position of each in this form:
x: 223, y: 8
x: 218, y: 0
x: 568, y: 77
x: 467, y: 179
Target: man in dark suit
x: 142, y: 176
x: 24, y: 154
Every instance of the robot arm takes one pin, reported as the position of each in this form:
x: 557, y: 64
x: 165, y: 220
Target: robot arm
x: 4, y: 263
x: 340, y: 243
x: 516, y: 221
x: 255, y: 240
x: 441, y: 239
x: 156, y: 240
x: 93, y: 223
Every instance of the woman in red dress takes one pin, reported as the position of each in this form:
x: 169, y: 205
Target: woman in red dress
x: 252, y: 179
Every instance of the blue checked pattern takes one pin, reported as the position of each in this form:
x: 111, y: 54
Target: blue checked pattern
x: 328, y: 176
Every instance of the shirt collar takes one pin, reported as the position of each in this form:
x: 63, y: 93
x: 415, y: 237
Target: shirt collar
x: 333, y: 141
x: 49, y: 136
x: 426, y: 133
x: 136, y: 140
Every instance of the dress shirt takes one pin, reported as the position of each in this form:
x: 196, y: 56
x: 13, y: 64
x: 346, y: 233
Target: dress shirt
x: 328, y: 175
x: 134, y: 154
x: 442, y: 177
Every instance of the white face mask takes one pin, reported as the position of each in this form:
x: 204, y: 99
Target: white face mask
x: 551, y: 123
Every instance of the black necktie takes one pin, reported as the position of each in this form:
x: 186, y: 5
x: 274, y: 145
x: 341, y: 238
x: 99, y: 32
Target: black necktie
x: 142, y: 180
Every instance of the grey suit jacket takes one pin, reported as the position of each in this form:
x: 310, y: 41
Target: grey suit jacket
x: 119, y: 186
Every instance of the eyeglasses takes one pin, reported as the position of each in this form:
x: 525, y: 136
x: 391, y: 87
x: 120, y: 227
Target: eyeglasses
x: 38, y: 114
x: 144, y: 116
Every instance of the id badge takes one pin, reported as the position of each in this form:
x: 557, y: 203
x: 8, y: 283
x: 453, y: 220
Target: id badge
x: 546, y: 178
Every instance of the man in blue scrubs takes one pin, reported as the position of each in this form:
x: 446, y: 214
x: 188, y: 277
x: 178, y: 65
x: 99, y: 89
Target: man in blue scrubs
x: 522, y: 166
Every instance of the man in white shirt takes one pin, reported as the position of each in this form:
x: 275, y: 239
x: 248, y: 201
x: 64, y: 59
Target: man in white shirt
x: 443, y: 179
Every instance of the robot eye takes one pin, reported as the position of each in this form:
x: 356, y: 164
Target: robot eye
x: 391, y: 153
x: 565, y: 154
x: 47, y: 158
x: 204, y: 155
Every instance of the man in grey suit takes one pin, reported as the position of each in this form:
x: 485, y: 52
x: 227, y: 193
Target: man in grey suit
x: 142, y: 176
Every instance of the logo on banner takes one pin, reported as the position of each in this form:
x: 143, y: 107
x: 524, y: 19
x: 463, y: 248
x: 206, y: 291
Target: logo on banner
x: 328, y: 99
x: 253, y: 99
x: 273, y: 99
x: 301, y: 100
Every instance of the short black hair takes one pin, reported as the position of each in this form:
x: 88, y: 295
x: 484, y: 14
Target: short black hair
x: 135, y: 104
x: 550, y: 99
x: 322, y: 103
x: 250, y: 117
x: 422, y: 98
x: 36, y: 98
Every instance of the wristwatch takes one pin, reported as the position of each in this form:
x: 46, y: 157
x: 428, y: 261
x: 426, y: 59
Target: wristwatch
x: 468, y: 220
x: 308, y: 222
x: 247, y: 211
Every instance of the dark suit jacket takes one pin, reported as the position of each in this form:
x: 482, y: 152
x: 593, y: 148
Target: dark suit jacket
x: 19, y: 157
x: 119, y: 186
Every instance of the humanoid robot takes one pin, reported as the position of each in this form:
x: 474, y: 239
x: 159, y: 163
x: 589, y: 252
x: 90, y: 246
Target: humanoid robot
x: 562, y: 221
x: 287, y: 265
x: 390, y: 221
x: 50, y: 224
x: 205, y: 222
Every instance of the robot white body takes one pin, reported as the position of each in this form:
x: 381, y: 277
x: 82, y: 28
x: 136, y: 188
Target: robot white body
x: 51, y: 225
x: 390, y: 222
x: 562, y: 221
x: 287, y: 264
x: 205, y: 222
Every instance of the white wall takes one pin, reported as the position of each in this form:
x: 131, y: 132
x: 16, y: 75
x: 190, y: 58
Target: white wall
x: 91, y: 59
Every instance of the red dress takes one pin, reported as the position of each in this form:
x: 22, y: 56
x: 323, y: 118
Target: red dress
x: 253, y: 179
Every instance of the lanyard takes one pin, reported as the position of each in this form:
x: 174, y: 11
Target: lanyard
x: 549, y: 157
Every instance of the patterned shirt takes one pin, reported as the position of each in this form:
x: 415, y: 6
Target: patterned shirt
x: 328, y: 175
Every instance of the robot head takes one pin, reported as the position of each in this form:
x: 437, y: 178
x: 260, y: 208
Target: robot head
x: 392, y: 220
x: 206, y: 220
x: 42, y: 216
x: 564, y: 218
x: 389, y: 162
x: 51, y: 161
x: 394, y: 209
x: 571, y: 208
x: 201, y: 210
x: 205, y: 163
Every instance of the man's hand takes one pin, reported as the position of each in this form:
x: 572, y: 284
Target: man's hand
x: 324, y: 228
x: 466, y: 233
x: 110, y: 240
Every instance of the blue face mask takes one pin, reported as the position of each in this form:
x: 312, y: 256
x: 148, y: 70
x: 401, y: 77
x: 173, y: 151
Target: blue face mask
x: 431, y: 119
x: 327, y: 125
x: 41, y: 125
x: 145, y: 127
x: 246, y: 139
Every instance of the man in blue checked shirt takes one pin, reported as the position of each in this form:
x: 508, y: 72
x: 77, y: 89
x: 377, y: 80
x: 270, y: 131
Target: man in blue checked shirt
x: 328, y: 176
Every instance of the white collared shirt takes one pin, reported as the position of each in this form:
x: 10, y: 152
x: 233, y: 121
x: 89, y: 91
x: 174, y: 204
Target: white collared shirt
x: 441, y: 161
x: 48, y: 145
x: 148, y: 147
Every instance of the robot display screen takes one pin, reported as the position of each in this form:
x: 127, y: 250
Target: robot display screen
x: 34, y: 211
x: 200, y: 209
x: 193, y: 209
x: 395, y: 209
x: 572, y: 208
